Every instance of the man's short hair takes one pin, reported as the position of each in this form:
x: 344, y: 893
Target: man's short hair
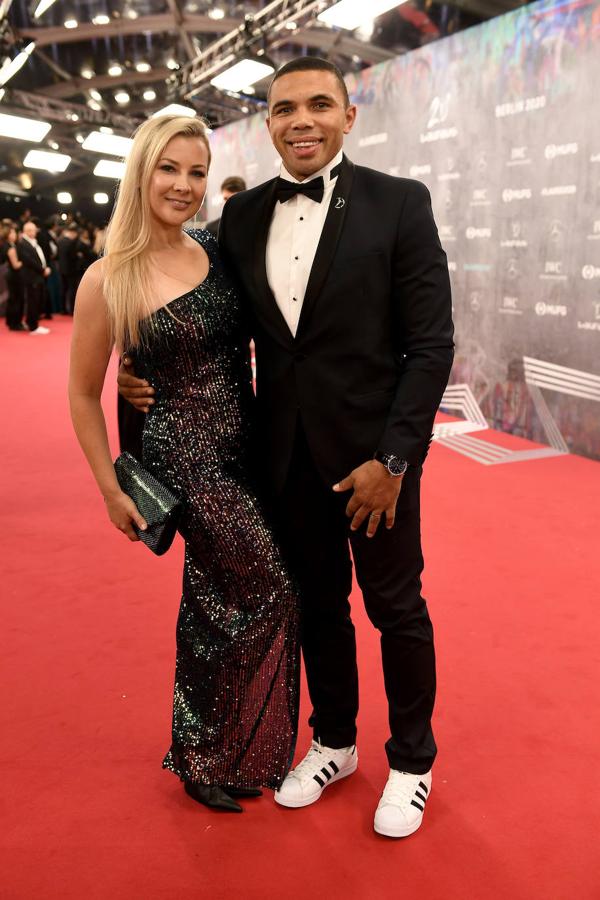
x: 311, y: 64
x: 234, y: 184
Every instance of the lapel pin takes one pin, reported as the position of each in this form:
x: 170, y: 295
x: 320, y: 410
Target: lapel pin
x: 340, y: 203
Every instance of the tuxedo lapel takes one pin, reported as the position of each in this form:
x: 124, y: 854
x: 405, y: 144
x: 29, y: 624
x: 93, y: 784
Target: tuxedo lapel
x: 267, y: 306
x: 330, y: 237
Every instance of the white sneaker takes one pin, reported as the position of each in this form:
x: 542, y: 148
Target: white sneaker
x: 400, y: 810
x: 320, y: 767
x: 40, y: 330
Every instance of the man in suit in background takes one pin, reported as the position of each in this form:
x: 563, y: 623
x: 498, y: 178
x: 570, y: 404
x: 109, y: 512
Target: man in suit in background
x: 33, y: 274
x: 348, y: 290
x: 68, y: 265
x: 232, y: 185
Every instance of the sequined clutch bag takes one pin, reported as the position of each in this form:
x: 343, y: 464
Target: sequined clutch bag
x: 159, y: 506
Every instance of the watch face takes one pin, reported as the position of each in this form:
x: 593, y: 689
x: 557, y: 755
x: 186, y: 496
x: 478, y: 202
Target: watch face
x: 396, y: 466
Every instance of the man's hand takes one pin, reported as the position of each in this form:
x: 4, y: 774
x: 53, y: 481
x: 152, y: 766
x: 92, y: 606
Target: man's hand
x: 47, y: 272
x: 134, y: 390
x: 375, y: 493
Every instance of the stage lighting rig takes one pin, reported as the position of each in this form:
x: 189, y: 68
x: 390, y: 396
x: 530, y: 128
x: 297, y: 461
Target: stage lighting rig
x: 249, y: 40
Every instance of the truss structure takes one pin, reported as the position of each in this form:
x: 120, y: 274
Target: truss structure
x: 253, y: 35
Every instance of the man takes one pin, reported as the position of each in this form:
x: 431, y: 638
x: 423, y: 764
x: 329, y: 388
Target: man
x: 349, y: 293
x: 232, y: 185
x: 33, y: 273
x: 68, y: 266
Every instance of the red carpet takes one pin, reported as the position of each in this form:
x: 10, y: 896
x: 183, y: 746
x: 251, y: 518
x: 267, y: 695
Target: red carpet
x: 87, y: 667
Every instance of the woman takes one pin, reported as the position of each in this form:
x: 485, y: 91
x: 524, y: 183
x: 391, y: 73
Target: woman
x: 164, y: 295
x: 14, y: 305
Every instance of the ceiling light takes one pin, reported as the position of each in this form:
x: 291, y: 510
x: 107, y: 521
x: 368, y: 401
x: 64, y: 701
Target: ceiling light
x: 70, y: 23
x: 249, y: 90
x: 243, y: 73
x: 93, y: 104
x: 172, y: 64
x: 2, y: 93
x: 291, y: 26
x: 101, y: 197
x: 174, y: 109
x: 79, y: 138
x: 64, y: 217
x: 25, y: 180
x: 86, y: 72
x: 216, y: 13
x: 64, y: 197
x: 109, y: 168
x: 149, y: 94
x: 41, y: 8
x: 107, y: 143
x: 106, y: 129
x: 143, y: 67
x: 245, y: 109
x: 44, y: 159
x: 53, y: 144
x: 102, y: 19
x: 95, y: 95
x: 115, y: 70
x: 131, y: 13
x: 351, y: 14
x: 73, y: 117
x: 12, y: 66
x: 23, y: 129
x: 122, y: 97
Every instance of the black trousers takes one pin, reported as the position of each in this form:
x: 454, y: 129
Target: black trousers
x: 69, y: 283
x: 34, y: 304
x: 316, y: 538
x: 14, y: 304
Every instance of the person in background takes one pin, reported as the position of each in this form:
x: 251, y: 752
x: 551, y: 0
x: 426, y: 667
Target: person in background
x: 33, y: 272
x: 232, y: 185
x: 48, y: 241
x: 85, y: 252
x: 14, y: 283
x: 68, y: 265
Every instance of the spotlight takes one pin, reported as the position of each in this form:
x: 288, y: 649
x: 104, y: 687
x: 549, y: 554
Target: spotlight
x: 101, y: 19
x: 172, y: 64
x: 122, y: 97
x: 115, y: 70
x: 64, y: 198
x: 10, y: 67
x: 87, y: 73
x: 101, y: 197
x: 70, y: 22
x: 143, y: 67
x: 149, y: 95
x: 216, y: 13
x: 95, y: 95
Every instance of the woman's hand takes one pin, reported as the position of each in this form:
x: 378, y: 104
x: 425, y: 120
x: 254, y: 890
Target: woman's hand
x: 124, y: 514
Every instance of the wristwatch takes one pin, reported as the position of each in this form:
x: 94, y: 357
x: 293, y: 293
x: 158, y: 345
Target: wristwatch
x: 394, y: 464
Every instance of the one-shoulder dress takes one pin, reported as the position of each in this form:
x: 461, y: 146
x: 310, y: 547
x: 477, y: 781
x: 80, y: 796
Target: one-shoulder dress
x: 236, y: 679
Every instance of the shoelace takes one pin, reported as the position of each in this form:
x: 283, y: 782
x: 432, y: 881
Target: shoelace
x: 400, y: 789
x: 309, y: 760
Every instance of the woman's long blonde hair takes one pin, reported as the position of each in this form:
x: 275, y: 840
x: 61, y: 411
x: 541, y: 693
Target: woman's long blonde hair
x: 127, y: 285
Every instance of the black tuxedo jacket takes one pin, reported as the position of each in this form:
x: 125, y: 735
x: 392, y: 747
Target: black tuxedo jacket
x: 32, y: 272
x: 373, y: 351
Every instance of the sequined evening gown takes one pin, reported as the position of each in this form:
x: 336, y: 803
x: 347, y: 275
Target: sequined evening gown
x: 236, y: 681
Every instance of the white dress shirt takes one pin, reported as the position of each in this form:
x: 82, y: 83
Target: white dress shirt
x: 39, y: 250
x: 292, y: 243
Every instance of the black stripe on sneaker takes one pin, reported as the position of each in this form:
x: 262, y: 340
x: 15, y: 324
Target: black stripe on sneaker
x: 319, y: 781
x: 333, y: 766
x: 421, y: 796
x: 418, y: 805
x: 424, y: 787
x: 326, y: 773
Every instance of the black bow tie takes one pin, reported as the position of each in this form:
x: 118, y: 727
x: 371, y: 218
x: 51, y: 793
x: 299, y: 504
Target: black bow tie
x: 313, y: 189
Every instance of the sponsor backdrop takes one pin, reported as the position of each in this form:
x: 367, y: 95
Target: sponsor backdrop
x: 499, y: 122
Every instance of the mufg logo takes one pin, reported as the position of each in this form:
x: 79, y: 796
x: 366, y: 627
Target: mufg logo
x: 590, y: 272
x: 473, y: 233
x: 554, y: 150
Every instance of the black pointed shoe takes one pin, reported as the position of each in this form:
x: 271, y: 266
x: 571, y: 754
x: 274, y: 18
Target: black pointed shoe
x: 242, y: 791
x: 211, y: 795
